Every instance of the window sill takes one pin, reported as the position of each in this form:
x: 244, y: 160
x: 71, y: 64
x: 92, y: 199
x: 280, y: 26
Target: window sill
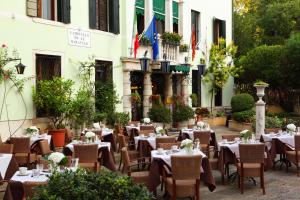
x: 48, y: 22
x: 96, y: 31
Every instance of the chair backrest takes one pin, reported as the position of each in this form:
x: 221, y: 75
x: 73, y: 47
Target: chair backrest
x: 146, y: 132
x: 87, y: 153
x: 167, y: 145
x: 21, y: 144
x: 1, y: 140
x: 297, y: 142
x: 147, y: 127
x: 6, y: 148
x: 191, y: 126
x: 270, y: 130
x: 117, y: 129
x: 160, y: 140
x: 44, y: 147
x: 203, y: 136
x: 186, y: 167
x: 122, y: 141
x: 231, y: 137
x: 125, y: 158
x: 252, y: 153
x: 29, y: 188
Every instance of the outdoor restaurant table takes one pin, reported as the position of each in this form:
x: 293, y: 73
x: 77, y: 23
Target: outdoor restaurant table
x: 35, y: 139
x: 145, y: 144
x: 8, y: 166
x: 189, y: 133
x: 159, y: 160
x: 108, y: 159
x: 15, y: 191
x: 229, y: 153
x: 107, y: 136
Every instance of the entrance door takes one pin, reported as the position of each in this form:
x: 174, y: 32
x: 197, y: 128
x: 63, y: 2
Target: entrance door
x: 158, y: 85
x: 137, y: 86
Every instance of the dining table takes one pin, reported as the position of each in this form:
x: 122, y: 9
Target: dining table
x: 8, y: 166
x: 104, y: 148
x: 106, y: 136
x: 159, y: 159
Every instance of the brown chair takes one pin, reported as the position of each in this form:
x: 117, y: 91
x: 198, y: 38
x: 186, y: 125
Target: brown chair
x: 251, y: 163
x: 167, y: 145
x: 1, y: 140
x: 191, y: 126
x: 29, y: 188
x: 88, y: 155
x: 21, y: 150
x: 132, y: 153
x: 230, y: 137
x: 44, y: 147
x: 160, y: 140
x: 140, y: 177
x: 6, y: 148
x: 185, y: 179
x: 146, y: 132
x: 147, y: 127
x: 204, y: 137
x: 294, y: 156
x: 270, y: 130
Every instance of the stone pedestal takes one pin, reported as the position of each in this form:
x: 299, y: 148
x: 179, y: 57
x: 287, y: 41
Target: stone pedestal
x: 260, y: 118
x: 147, y: 94
x: 185, y: 91
x: 126, y: 92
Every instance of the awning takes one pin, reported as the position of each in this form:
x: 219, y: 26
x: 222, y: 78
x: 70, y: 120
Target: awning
x: 139, y: 7
x: 180, y: 68
x: 159, y: 8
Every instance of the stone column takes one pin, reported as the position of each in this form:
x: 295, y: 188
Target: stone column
x: 148, y: 12
x: 260, y: 112
x: 184, y: 90
x: 147, y: 94
x: 169, y: 86
x: 169, y: 16
x: 127, y: 92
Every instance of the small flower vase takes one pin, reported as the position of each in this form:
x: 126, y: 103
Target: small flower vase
x: 189, y: 150
x: 53, y: 167
x: 245, y: 140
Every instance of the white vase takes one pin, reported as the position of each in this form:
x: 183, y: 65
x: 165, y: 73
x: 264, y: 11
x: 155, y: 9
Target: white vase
x: 189, y: 150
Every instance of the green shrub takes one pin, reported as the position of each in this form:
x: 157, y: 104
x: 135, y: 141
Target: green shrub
x: 120, y: 118
x: 159, y: 113
x: 194, y: 98
x: 100, y: 117
x: 90, y: 186
x: 244, y: 116
x: 242, y: 102
x: 182, y: 113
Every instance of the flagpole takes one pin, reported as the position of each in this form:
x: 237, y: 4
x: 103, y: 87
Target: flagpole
x: 132, y: 38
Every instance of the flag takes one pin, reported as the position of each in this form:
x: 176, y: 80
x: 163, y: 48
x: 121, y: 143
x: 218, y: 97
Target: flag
x: 193, y: 43
x: 151, y: 34
x: 136, y: 36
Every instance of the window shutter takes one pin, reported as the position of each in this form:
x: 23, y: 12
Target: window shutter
x: 32, y: 8
x: 114, y: 18
x: 223, y: 29
x: 66, y: 11
x: 92, y: 14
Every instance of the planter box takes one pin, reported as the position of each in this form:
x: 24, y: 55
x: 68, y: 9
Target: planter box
x: 216, y: 121
x: 238, y: 126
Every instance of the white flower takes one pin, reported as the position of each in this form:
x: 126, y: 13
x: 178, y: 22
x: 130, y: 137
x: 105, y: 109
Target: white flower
x: 96, y: 125
x: 244, y: 131
x: 34, y: 128
x: 56, y: 157
x: 291, y: 127
x: 186, y: 143
x: 90, y: 134
x: 158, y: 129
x: 200, y: 124
x: 147, y: 120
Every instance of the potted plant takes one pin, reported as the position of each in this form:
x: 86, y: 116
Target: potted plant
x: 171, y: 38
x: 201, y: 113
x: 183, y: 48
x: 194, y: 99
x: 54, y: 98
x: 260, y: 87
x: 182, y: 113
x: 159, y: 113
x: 144, y: 41
x: 135, y: 97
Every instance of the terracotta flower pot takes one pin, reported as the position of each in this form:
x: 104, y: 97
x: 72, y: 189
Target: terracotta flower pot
x: 58, y: 137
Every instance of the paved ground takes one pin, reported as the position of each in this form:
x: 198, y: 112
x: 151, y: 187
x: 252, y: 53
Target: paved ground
x: 279, y: 184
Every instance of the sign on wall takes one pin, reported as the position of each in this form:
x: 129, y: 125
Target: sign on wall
x: 79, y: 38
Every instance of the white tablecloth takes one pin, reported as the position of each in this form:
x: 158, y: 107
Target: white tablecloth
x: 129, y: 128
x: 42, y: 178
x: 106, y: 131
x: 234, y: 147
x: 166, y: 156
x: 283, y: 137
x: 151, y: 140
x: 100, y: 144
x: 190, y: 132
x: 35, y: 138
x: 4, y: 162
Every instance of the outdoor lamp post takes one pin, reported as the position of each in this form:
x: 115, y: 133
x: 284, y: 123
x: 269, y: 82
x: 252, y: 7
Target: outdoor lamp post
x: 186, y: 65
x: 201, y: 69
x: 20, y: 68
x: 165, y: 64
x: 145, y: 62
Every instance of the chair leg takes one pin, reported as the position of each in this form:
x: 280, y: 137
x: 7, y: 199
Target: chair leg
x: 120, y: 162
x: 242, y: 184
x: 262, y: 179
x: 297, y: 168
x: 197, y: 190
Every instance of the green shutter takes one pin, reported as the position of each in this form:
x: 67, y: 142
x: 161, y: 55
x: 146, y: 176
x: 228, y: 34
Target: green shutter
x: 159, y: 8
x: 139, y: 7
x: 92, y: 14
x: 175, y: 12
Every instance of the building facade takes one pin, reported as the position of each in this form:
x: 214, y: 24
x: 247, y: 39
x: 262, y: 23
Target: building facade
x: 52, y: 36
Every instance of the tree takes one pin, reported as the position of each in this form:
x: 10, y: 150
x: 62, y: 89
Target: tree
x: 219, y: 68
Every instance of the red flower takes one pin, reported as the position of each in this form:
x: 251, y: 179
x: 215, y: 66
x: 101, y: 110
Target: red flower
x: 3, y: 46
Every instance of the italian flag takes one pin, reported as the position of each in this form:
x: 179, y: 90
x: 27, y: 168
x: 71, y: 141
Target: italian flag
x: 135, y: 36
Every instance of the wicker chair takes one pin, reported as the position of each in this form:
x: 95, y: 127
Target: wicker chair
x: 44, y: 147
x: 160, y: 140
x: 147, y: 127
x: 167, y: 145
x: 251, y: 163
x: 132, y: 153
x: 21, y: 150
x: 294, y: 156
x: 138, y: 176
x: 204, y: 137
x: 146, y: 132
x: 88, y: 155
x: 29, y: 190
x: 6, y: 148
x: 230, y: 137
x: 185, y: 179
x: 270, y: 130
